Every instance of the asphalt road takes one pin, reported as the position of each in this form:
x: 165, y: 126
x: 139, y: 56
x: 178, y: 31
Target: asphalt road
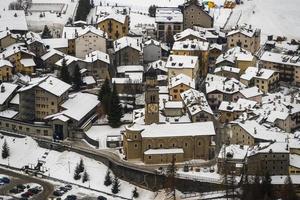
x: 17, y: 178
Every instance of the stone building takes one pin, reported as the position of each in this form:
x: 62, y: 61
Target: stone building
x: 195, y: 15
x: 6, y: 69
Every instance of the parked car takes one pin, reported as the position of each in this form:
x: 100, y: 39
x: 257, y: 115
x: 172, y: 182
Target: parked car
x: 34, y: 190
x: 68, y: 186
x: 71, y: 197
x: 25, y: 194
x: 14, y: 191
x: 20, y: 186
x: 58, y: 193
x: 64, y: 189
x: 5, y: 180
x: 101, y: 198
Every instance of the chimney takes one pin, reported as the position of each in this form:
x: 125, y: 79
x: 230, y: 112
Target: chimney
x: 65, y: 34
x: 2, y: 88
x: 255, y: 131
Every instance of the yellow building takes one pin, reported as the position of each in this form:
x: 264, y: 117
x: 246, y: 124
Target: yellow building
x: 42, y: 98
x: 236, y: 57
x: 178, y: 64
x: 179, y: 84
x: 265, y: 79
x: 159, y: 143
x: 194, y: 48
x: 7, y: 39
x: 115, y: 25
x: 245, y: 37
x: 5, y: 70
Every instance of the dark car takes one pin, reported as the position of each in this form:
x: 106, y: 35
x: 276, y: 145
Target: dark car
x: 25, y: 194
x: 20, y: 186
x: 71, y: 197
x: 5, y: 180
x: 34, y: 190
x: 69, y: 187
x: 64, y: 189
x: 58, y: 193
x: 101, y: 198
x: 14, y: 190
x: 23, y: 198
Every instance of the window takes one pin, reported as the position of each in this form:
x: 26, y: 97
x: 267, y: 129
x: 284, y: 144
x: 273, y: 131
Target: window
x: 175, y: 90
x: 185, y: 144
x: 149, y: 157
x: 160, y: 145
x: 149, y: 146
x: 199, y: 143
x: 135, y: 146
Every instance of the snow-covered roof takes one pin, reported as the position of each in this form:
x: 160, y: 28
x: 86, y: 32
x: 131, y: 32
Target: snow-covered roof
x: 190, y: 45
x: 15, y: 48
x: 70, y: 32
x: 216, y: 46
x: 6, y: 33
x: 85, y: 101
x: 159, y: 64
x: 92, y: 29
x: 235, y: 54
x: 130, y: 68
x: 272, y: 147
x: 164, y: 151
x: 181, y: 79
x: 69, y: 59
x: 152, y: 42
x: 260, y: 73
x: 56, y: 43
x: 245, y: 29
x: 168, y: 15
x: 174, y: 130
x: 195, y: 101
x: 189, y: 32
x: 277, y: 106
x: 51, y: 53
x: 97, y: 55
x: 261, y: 132
x: 4, y: 63
x: 27, y: 62
x: 295, y: 160
x: 227, y: 69
x: 181, y: 62
x: 9, y: 89
x: 233, y: 152
x: 50, y: 84
x: 89, y: 80
x: 113, y: 16
x: 8, y: 113
x: 15, y: 100
x: 280, y: 58
x: 222, y: 84
x: 128, y: 42
x: 239, y: 106
x: 13, y: 20
x: 251, y: 92
x: 33, y: 37
x: 173, y: 104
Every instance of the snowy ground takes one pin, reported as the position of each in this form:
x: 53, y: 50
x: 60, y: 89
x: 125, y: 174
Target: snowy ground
x: 279, y: 17
x: 25, y: 151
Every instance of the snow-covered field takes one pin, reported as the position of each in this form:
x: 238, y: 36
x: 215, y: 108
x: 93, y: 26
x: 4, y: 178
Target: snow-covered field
x: 25, y: 151
x: 279, y: 17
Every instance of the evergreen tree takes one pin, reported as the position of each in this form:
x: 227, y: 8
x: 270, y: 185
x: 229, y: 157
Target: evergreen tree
x: 135, y: 193
x: 116, y: 186
x: 92, y: 4
x: 267, y: 186
x: 85, y: 177
x: 104, y: 95
x: 152, y: 11
x: 171, y: 172
x: 5, y: 150
x: 107, y: 180
x: 64, y: 72
x: 289, y: 192
x: 81, y: 166
x: 84, y: 7
x: 46, y: 33
x: 77, y: 172
x: 77, y: 78
x: 115, y: 109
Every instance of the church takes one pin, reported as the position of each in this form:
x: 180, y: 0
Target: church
x: 156, y: 142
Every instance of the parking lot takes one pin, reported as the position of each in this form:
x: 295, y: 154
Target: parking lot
x: 16, y: 180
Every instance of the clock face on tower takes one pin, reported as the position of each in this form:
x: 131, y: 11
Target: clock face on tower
x: 152, y: 108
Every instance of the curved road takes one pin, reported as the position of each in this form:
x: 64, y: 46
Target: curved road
x: 17, y: 178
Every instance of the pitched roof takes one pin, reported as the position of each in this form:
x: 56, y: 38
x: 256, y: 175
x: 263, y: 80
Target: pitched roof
x: 9, y: 89
x: 177, y: 61
x: 126, y: 41
x: 168, y: 15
